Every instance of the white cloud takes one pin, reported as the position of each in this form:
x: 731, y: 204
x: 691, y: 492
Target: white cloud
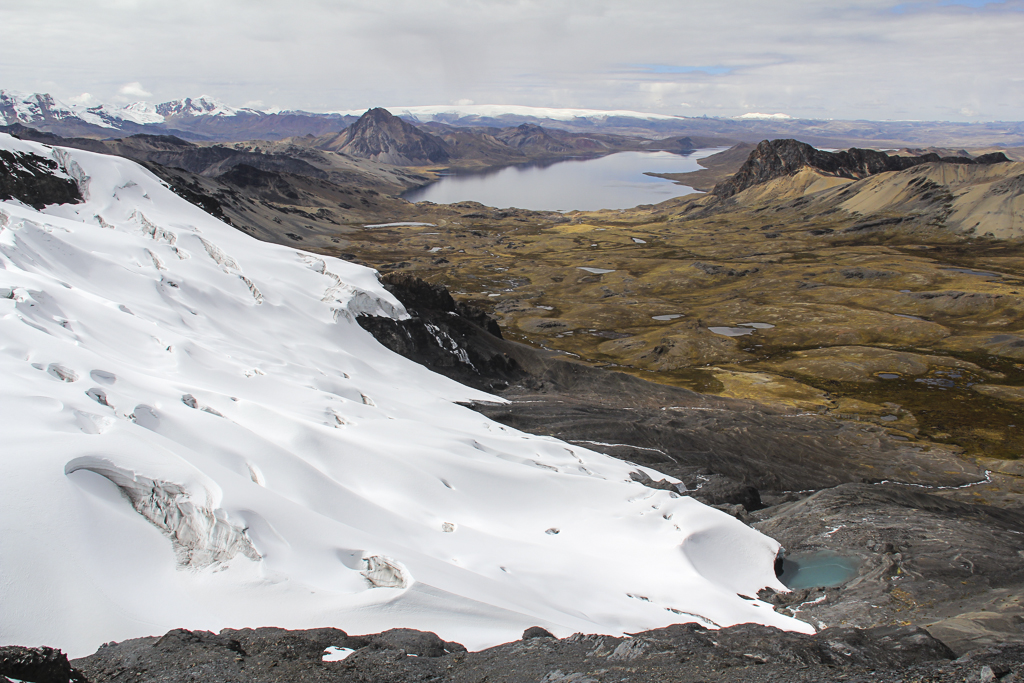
x: 85, y: 99
x: 841, y: 59
x: 463, y: 102
x: 133, y: 89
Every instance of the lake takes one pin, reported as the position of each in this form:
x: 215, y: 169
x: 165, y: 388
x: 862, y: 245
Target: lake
x: 616, y: 181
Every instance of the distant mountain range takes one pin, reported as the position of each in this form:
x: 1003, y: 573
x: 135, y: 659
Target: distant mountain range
x: 207, y: 119
x: 201, y: 118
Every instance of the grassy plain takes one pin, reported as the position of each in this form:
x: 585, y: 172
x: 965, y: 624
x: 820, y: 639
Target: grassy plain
x: 917, y: 330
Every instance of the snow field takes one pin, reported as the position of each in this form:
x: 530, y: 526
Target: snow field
x: 198, y: 434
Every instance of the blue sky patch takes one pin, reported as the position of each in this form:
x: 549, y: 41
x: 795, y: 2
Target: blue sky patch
x: 905, y: 7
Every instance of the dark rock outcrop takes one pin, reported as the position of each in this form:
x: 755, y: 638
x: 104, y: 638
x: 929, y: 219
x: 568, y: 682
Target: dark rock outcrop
x: 718, y: 490
x: 685, y: 653
x: 455, y: 339
x: 779, y: 158
x: 536, y: 632
x: 29, y: 178
x: 382, y: 137
x: 919, y: 557
x: 37, y: 665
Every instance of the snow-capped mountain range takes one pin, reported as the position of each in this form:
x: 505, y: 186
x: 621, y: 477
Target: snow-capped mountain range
x: 36, y: 108
x: 198, y: 434
x: 206, y: 118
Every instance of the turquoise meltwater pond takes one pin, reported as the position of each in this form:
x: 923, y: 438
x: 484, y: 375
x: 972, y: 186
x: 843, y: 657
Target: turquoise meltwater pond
x: 823, y: 568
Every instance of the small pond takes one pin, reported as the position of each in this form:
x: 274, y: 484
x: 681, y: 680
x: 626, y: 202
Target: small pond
x: 743, y: 329
x: 615, y: 181
x: 822, y: 568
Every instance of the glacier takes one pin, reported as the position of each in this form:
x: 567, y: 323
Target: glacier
x: 197, y: 434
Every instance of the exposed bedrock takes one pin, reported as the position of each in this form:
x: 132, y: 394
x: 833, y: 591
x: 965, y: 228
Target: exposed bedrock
x: 201, y: 535
x: 918, y: 557
x: 37, y: 665
x: 451, y: 338
x: 30, y: 179
x: 684, y: 653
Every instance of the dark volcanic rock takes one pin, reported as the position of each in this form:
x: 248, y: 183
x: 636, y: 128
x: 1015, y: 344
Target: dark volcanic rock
x: 270, y: 654
x: 779, y: 158
x: 29, y: 178
x: 919, y: 557
x: 536, y: 632
x: 382, y: 137
x: 718, y: 490
x: 455, y: 339
x: 37, y: 665
x: 683, y: 653
x: 419, y: 643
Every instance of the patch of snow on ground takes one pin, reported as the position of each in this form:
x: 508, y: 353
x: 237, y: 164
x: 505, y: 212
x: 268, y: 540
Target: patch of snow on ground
x: 197, y: 434
x: 336, y: 654
x: 403, y: 224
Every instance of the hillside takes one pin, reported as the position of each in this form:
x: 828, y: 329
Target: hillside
x: 959, y: 195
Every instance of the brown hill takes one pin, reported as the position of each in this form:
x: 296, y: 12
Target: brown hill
x: 530, y: 136
x: 865, y: 191
x: 773, y: 159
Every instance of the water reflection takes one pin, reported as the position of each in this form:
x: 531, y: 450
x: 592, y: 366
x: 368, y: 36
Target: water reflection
x: 616, y: 181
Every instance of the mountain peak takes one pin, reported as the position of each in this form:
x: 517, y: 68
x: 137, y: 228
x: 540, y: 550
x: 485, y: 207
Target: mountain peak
x: 204, y: 105
x: 383, y: 137
x: 20, y: 107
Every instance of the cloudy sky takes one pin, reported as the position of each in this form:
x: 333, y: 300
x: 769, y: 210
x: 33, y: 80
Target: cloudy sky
x: 873, y: 59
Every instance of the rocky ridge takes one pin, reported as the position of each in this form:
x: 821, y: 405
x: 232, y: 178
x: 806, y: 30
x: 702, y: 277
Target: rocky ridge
x: 683, y: 653
x: 773, y: 159
x: 30, y: 179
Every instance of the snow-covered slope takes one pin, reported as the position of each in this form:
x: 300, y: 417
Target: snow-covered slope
x: 142, y: 113
x: 197, y: 434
